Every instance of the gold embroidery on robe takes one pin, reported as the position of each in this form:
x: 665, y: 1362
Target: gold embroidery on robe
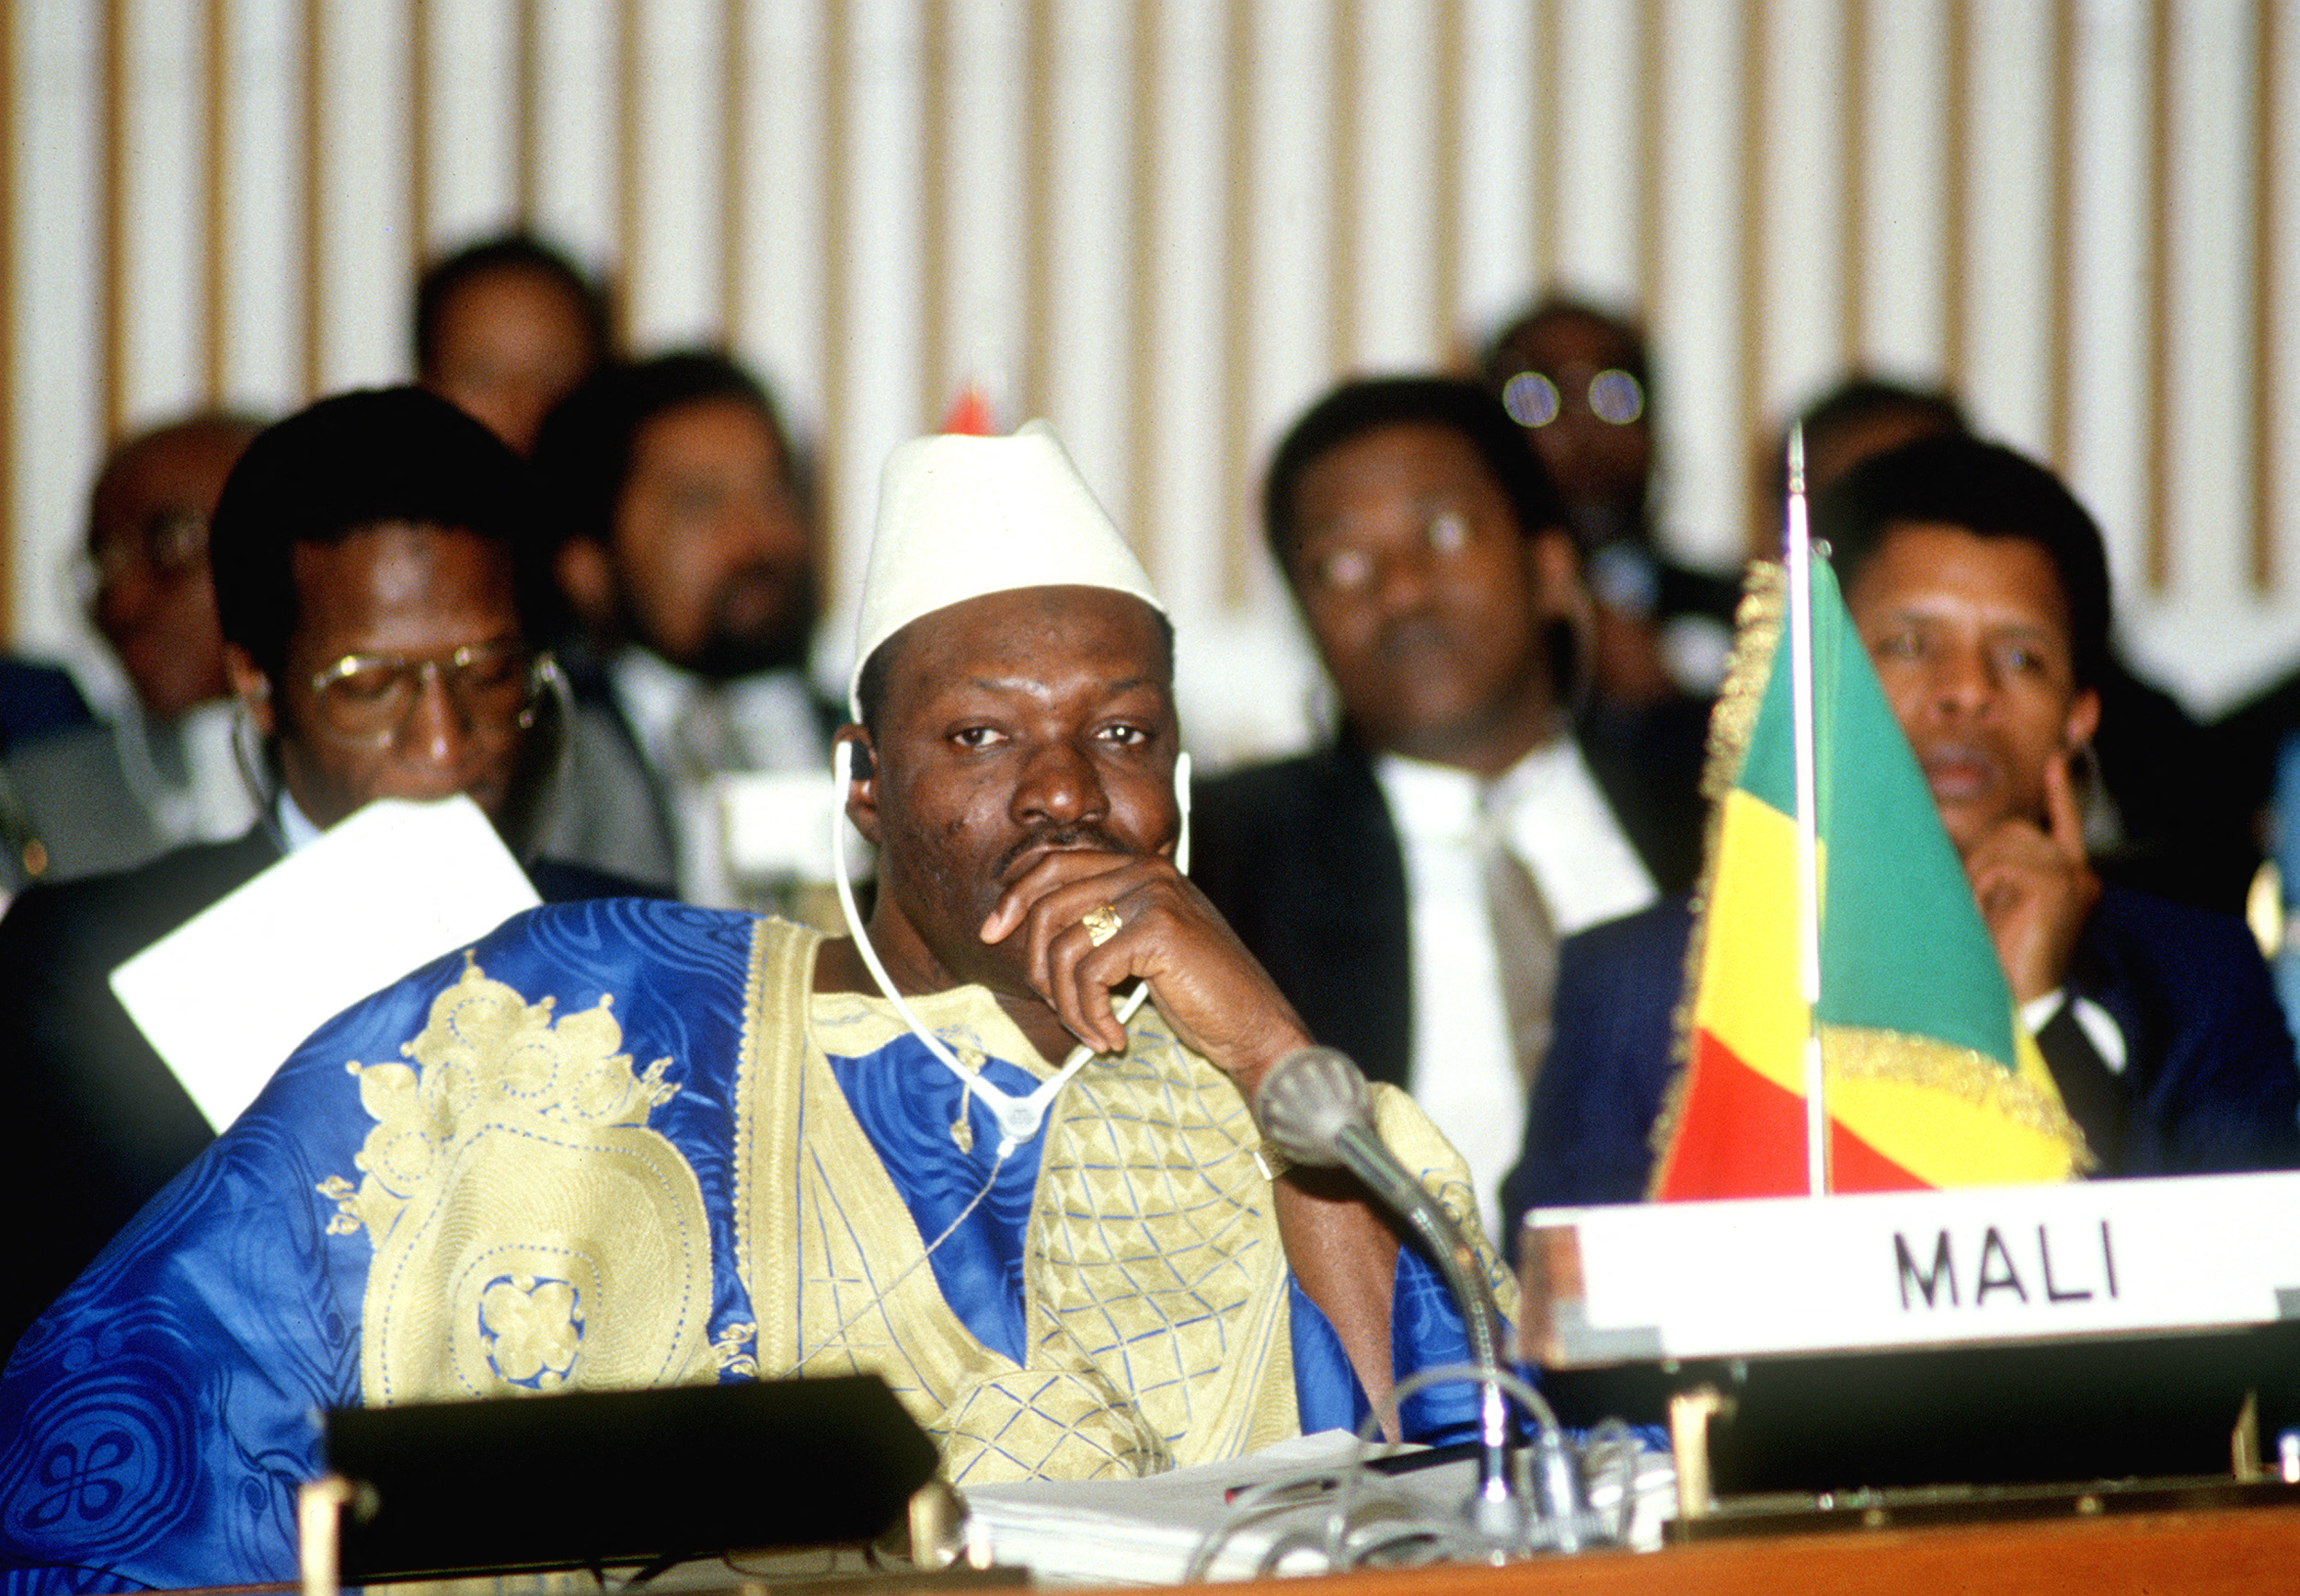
x: 1156, y: 1290
x: 529, y: 1231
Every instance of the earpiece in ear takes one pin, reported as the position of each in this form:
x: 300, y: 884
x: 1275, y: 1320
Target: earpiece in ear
x: 864, y: 766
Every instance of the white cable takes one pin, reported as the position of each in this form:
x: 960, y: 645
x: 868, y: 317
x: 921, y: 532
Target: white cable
x: 841, y: 768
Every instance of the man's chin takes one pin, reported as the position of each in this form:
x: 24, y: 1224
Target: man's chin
x: 1967, y: 821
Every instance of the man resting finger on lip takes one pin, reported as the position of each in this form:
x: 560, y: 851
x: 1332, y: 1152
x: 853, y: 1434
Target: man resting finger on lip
x: 1090, y: 921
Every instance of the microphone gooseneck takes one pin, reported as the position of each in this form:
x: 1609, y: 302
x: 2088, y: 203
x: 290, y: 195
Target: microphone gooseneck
x: 1315, y: 1107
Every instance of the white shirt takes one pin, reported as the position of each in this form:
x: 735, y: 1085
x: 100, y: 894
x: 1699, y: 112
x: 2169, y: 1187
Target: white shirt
x: 2098, y: 1025
x: 1463, y: 1073
x: 296, y: 829
x: 772, y: 717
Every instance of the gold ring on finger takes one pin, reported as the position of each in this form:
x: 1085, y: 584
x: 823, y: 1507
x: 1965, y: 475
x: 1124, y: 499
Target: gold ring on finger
x: 1101, y: 923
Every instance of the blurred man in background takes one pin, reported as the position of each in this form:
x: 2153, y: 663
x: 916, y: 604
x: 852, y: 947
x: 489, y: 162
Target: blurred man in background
x: 1577, y: 379
x: 1980, y: 589
x: 505, y: 328
x: 164, y: 772
x: 1406, y: 886
x: 376, y: 578
x: 2154, y: 819
x: 687, y: 544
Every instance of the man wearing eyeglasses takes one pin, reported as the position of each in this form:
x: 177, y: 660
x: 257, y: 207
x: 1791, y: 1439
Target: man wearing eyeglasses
x: 157, y: 771
x: 376, y: 582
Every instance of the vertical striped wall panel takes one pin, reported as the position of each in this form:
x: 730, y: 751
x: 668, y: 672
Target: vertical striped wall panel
x: 1168, y: 223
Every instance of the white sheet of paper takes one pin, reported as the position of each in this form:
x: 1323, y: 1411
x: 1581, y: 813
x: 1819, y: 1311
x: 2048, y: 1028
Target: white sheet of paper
x: 393, y: 887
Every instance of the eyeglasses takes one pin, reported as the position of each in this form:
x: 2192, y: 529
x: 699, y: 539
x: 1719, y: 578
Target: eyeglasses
x: 172, y: 544
x: 1614, y: 396
x: 368, y: 698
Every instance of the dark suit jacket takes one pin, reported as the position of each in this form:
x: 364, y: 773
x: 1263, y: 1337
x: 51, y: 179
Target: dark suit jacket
x: 36, y: 700
x: 95, y: 1123
x: 2209, y: 1084
x: 1303, y: 859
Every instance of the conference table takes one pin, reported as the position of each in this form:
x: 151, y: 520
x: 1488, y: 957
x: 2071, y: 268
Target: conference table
x: 2248, y: 1550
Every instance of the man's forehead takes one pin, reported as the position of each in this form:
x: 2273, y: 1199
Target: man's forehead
x: 1029, y: 636
x: 405, y: 558
x: 698, y: 426
x: 1567, y: 336
x: 1418, y: 462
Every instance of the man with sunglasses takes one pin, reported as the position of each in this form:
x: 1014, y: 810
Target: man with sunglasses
x: 376, y: 582
x: 1576, y: 380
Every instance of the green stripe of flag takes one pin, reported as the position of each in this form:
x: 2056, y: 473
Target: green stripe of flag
x: 1903, y: 944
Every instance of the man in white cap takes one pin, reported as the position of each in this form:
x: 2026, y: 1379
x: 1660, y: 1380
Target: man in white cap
x: 636, y: 1143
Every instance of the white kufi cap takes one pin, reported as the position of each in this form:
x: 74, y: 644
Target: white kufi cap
x: 960, y: 516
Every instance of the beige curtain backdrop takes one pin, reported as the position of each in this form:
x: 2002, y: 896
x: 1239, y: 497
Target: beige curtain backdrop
x: 1167, y: 225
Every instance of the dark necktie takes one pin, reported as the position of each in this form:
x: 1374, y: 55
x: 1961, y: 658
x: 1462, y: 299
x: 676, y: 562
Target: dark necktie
x: 2092, y: 1092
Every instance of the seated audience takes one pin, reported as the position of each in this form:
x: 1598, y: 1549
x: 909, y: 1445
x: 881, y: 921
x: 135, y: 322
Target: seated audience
x: 685, y: 538
x: 505, y: 328
x: 1405, y: 885
x: 628, y: 1143
x: 376, y: 573
x: 1981, y: 590
x: 106, y: 798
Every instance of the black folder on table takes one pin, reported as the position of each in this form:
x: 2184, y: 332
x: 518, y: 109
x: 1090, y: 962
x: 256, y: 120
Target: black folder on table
x: 591, y: 1478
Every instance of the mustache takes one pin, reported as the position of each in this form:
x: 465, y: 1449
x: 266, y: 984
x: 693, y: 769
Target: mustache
x: 1083, y: 836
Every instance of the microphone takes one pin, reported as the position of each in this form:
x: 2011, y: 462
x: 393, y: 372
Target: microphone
x: 1315, y: 1107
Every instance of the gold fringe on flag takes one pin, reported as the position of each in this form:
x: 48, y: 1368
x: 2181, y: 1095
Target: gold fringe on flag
x: 1757, y: 623
x: 1860, y: 1052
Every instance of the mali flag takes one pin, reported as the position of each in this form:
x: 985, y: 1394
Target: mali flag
x: 1930, y: 1078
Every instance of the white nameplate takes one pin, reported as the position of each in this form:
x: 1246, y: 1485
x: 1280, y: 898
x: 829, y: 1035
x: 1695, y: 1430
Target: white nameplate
x: 1896, y: 1269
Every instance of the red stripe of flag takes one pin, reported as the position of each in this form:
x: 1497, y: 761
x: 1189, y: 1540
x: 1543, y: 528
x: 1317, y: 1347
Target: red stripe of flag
x: 1740, y: 1134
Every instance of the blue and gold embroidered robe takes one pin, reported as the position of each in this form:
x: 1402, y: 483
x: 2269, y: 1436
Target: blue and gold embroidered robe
x: 621, y: 1145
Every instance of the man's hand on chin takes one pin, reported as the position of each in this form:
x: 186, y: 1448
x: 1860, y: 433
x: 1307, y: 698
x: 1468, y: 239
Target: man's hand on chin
x: 1087, y: 922
x: 2035, y: 888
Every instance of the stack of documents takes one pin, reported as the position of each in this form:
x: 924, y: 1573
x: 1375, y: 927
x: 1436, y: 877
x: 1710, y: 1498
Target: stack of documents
x: 1149, y: 1531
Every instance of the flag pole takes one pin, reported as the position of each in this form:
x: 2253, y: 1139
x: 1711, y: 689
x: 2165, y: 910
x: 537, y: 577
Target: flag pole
x: 1799, y: 558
